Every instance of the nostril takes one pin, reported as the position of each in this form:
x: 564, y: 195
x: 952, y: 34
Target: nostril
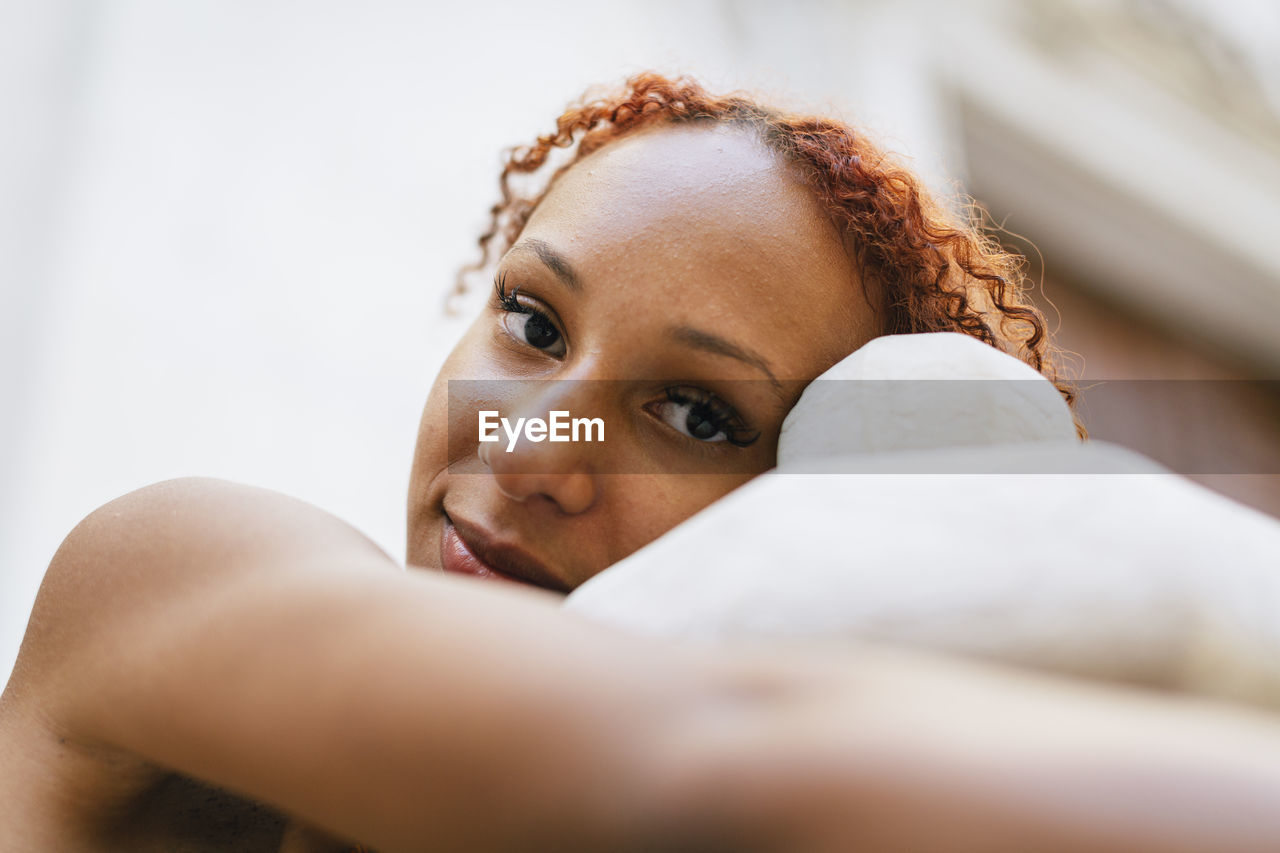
x: 572, y: 493
x: 515, y: 487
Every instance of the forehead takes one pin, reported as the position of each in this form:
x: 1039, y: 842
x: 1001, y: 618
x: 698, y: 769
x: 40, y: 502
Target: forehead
x: 705, y: 221
x: 713, y: 189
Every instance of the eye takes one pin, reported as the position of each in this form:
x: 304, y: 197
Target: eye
x: 527, y: 324
x: 703, y: 416
x: 535, y: 329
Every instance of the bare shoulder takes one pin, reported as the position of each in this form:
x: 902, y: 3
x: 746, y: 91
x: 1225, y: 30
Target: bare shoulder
x: 153, y: 549
x: 120, y: 583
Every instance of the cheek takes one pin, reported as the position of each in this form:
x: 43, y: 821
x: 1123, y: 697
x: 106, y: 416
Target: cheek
x: 647, y: 506
x: 432, y: 450
x: 430, y: 458
x: 433, y: 432
x: 470, y: 359
x: 685, y: 494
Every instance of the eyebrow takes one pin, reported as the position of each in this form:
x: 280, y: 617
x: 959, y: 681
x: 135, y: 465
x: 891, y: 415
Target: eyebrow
x: 553, y: 260
x: 696, y: 338
x: 709, y: 342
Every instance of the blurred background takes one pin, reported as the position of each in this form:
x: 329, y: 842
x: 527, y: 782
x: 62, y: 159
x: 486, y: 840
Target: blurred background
x: 227, y: 228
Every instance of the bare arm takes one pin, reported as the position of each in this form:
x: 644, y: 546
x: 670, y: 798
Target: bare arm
x: 257, y: 643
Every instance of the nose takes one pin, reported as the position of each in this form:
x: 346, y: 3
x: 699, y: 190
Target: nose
x: 531, y: 471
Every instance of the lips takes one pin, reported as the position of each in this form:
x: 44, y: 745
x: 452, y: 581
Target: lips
x: 466, y: 549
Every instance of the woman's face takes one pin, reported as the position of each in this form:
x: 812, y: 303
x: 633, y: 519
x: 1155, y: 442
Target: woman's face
x: 680, y: 285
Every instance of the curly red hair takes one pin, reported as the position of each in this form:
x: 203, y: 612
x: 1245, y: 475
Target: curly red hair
x: 934, y: 270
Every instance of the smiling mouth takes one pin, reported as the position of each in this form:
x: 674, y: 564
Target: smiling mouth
x: 468, y: 550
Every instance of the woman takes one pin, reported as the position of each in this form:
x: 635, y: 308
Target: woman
x: 695, y: 237
x: 210, y: 666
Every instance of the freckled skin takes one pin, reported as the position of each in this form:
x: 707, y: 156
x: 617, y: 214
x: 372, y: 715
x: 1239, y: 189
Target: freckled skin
x: 696, y: 226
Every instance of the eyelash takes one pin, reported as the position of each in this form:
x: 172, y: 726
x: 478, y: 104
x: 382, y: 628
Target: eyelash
x: 722, y: 415
x: 508, y: 301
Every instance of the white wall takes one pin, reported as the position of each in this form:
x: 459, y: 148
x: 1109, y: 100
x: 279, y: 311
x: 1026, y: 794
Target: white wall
x: 227, y: 226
